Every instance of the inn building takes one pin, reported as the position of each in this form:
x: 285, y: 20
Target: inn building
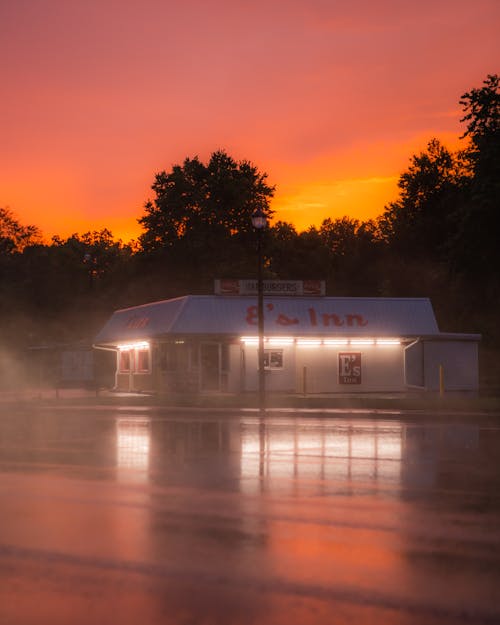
x: 313, y: 344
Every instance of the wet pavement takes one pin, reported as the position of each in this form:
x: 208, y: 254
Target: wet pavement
x: 143, y: 515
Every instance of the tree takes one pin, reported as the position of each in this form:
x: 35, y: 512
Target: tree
x: 94, y: 254
x: 202, y: 205
x: 67, y: 287
x: 295, y: 256
x: 475, y: 244
x: 418, y: 223
x: 439, y: 235
x: 353, y: 249
x: 14, y: 237
x: 482, y: 111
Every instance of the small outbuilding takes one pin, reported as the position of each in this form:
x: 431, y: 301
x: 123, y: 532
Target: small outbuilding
x: 207, y: 344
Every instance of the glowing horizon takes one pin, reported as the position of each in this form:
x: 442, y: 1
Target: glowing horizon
x: 319, y: 97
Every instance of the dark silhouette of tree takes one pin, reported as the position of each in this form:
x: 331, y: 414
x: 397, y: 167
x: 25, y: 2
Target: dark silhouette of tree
x: 65, y: 288
x: 295, y: 256
x: 418, y: 223
x: 202, y: 205
x: 440, y: 236
x: 95, y: 260
x: 344, y: 252
x: 198, y: 226
x: 475, y: 245
x: 482, y: 111
x: 14, y: 237
x: 283, y: 257
x: 353, y: 248
x: 15, y: 240
x: 448, y: 202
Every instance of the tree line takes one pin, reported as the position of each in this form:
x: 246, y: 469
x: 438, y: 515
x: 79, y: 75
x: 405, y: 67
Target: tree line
x: 436, y: 239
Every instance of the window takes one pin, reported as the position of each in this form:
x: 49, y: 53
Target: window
x: 125, y: 360
x: 273, y: 359
x: 143, y: 360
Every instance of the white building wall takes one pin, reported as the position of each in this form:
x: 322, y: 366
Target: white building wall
x: 276, y: 379
x: 382, y: 369
x: 459, y: 360
x: 316, y: 370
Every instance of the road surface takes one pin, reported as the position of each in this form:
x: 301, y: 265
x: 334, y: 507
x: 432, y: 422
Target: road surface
x: 150, y: 516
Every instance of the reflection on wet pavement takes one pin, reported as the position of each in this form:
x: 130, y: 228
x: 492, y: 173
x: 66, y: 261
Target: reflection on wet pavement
x: 138, y: 516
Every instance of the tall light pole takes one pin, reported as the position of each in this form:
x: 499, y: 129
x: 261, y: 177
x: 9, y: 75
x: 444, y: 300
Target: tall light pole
x: 259, y: 222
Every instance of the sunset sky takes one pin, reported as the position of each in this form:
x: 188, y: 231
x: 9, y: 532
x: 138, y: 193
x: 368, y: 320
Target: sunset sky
x: 329, y: 97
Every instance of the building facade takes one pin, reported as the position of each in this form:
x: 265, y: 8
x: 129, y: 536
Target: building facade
x: 208, y: 344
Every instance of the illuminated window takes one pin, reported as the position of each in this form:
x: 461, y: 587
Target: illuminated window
x: 273, y: 359
x: 125, y: 360
x: 143, y: 360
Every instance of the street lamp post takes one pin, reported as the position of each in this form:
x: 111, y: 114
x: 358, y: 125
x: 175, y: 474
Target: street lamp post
x: 259, y: 222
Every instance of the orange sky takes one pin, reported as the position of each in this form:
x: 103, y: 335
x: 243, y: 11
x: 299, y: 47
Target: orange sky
x: 331, y: 98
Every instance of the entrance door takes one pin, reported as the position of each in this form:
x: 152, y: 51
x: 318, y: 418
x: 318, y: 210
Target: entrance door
x: 210, y: 366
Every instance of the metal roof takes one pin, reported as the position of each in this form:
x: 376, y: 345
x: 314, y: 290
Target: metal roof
x: 284, y: 316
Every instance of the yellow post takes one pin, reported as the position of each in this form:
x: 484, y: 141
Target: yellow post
x: 441, y: 380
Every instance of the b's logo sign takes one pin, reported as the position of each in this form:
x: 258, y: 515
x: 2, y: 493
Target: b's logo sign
x: 350, y: 368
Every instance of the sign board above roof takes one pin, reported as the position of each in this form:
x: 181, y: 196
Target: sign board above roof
x: 226, y: 286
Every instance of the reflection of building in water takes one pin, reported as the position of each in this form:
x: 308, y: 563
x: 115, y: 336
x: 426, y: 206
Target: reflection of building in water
x: 370, y: 452
x: 133, y: 441
x: 195, y: 453
x: 281, y: 454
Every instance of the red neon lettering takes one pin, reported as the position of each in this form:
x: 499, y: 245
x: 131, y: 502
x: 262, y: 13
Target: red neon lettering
x: 337, y: 321
x: 359, y: 319
x: 312, y: 317
x: 252, y: 315
x: 283, y: 320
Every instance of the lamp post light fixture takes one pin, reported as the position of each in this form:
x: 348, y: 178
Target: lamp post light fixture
x: 259, y: 222
x: 91, y: 262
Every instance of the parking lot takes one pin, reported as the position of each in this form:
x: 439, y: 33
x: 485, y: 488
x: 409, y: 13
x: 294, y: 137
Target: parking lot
x: 136, y: 514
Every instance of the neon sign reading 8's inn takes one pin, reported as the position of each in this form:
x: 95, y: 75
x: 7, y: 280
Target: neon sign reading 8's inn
x: 349, y: 363
x: 313, y: 318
